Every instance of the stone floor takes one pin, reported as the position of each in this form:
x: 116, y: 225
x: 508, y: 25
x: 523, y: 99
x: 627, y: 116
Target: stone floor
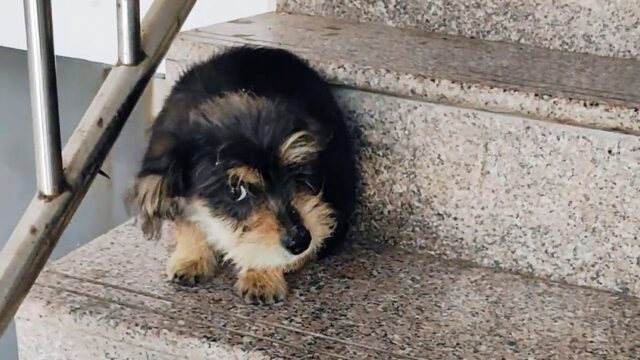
x: 110, y: 299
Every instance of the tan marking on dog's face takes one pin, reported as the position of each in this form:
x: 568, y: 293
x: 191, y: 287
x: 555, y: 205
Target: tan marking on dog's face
x: 262, y: 227
x: 245, y: 174
x: 250, y: 244
x: 255, y: 243
x: 299, y: 148
x: 318, y: 217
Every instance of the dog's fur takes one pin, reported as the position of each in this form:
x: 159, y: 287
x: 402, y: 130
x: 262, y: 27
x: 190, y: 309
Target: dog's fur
x: 249, y: 154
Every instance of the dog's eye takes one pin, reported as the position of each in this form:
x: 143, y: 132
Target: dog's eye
x: 311, y: 185
x: 238, y: 193
x: 293, y: 212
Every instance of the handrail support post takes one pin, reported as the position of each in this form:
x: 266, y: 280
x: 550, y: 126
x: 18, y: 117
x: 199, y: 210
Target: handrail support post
x: 44, y: 97
x: 129, y: 49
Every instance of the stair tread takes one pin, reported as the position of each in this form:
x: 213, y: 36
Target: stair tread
x: 414, y: 63
x: 369, y: 302
x: 598, y: 27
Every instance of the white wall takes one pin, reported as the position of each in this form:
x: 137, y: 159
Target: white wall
x: 86, y: 29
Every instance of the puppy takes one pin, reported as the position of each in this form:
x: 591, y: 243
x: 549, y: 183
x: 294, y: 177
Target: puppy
x: 251, y: 159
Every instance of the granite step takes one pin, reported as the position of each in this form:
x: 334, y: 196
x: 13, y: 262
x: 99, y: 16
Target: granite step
x: 601, y: 27
x: 509, y: 156
x: 110, y: 299
x: 578, y: 89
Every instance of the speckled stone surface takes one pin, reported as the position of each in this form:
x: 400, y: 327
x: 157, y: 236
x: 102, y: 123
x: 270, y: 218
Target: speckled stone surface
x: 552, y: 85
x: 504, y: 191
x: 601, y: 27
x: 109, y: 299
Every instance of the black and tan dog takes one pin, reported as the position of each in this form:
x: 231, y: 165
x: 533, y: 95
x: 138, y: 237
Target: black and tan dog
x: 251, y: 159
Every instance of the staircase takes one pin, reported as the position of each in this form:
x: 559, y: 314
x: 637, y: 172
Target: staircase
x: 500, y: 209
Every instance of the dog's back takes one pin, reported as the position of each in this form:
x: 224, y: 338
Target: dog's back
x: 266, y: 72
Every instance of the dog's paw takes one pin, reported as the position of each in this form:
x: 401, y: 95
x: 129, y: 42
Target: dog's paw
x: 262, y: 287
x: 190, y: 271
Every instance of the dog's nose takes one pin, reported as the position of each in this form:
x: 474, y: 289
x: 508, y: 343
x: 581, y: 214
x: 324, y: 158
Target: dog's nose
x: 298, y: 241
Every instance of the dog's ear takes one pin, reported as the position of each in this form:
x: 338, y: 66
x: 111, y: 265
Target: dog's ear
x: 299, y: 148
x: 160, y: 187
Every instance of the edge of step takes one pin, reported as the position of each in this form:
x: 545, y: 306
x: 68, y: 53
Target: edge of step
x: 366, y: 303
x: 578, y: 89
x: 607, y: 28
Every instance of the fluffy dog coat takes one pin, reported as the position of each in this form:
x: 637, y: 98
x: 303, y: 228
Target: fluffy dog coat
x: 251, y: 159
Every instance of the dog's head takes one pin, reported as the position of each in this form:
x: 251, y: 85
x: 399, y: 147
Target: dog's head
x: 246, y: 170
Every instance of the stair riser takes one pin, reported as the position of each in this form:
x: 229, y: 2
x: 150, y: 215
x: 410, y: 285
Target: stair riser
x: 500, y: 190
x: 601, y: 27
x: 503, y: 191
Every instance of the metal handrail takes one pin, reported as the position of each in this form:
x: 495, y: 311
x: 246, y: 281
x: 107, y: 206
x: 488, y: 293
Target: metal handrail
x: 44, y: 96
x: 129, y: 32
x: 39, y: 229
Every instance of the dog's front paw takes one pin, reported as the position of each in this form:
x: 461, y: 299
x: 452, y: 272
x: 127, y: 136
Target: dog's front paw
x: 190, y: 271
x: 193, y: 260
x: 262, y: 287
